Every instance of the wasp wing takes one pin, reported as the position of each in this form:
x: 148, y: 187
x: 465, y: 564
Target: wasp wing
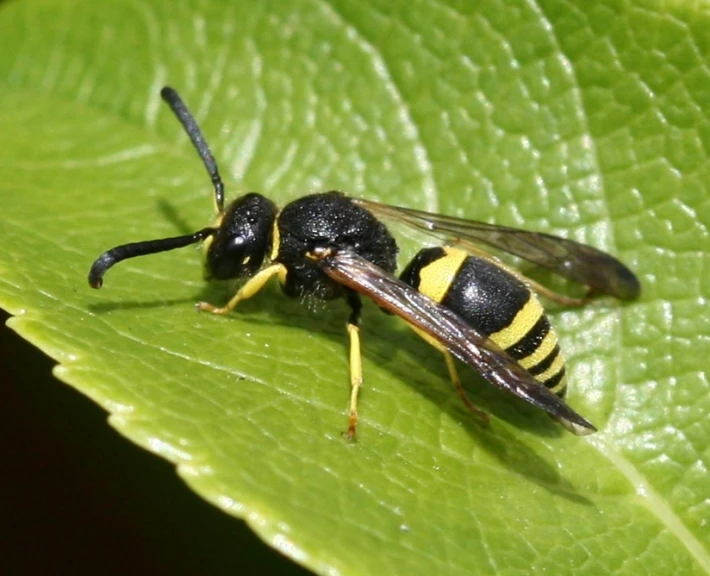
x: 475, y: 349
x: 600, y: 271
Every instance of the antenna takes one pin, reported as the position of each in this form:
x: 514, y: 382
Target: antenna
x: 125, y: 251
x: 172, y: 98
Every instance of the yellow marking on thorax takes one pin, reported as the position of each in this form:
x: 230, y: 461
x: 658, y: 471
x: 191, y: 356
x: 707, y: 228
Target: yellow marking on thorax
x: 557, y: 365
x: 523, y: 322
x: 436, y: 278
x: 275, y: 239
x: 543, y: 351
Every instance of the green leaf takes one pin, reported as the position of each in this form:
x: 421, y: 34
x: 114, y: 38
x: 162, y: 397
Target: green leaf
x: 583, y: 119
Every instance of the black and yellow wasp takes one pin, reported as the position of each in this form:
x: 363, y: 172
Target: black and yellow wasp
x: 464, y: 302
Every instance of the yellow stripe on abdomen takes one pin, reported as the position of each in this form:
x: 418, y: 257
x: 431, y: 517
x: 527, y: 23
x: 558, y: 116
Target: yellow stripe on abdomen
x: 543, y: 351
x: 553, y: 370
x: 523, y: 322
x: 436, y: 278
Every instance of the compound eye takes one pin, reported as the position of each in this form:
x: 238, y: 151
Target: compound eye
x: 234, y: 247
x: 226, y: 258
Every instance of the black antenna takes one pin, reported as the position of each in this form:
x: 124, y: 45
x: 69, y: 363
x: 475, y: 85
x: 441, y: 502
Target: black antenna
x: 172, y: 98
x: 115, y: 255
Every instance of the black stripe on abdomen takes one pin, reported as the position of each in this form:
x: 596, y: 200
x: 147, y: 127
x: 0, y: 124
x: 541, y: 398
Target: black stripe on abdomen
x: 530, y: 341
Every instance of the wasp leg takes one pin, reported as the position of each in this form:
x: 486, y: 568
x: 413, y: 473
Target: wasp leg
x: 556, y: 296
x: 253, y: 286
x: 353, y: 328
x: 453, y: 374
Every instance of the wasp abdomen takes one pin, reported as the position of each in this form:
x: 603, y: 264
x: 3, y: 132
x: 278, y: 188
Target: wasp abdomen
x: 494, y: 302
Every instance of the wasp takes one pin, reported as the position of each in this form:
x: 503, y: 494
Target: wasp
x: 463, y: 301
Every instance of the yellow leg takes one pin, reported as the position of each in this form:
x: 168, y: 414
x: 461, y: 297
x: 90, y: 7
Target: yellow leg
x: 453, y: 374
x: 355, y: 378
x: 353, y: 328
x: 253, y: 286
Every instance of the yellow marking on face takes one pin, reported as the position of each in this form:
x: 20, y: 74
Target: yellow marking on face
x: 557, y: 365
x: 208, y: 241
x: 523, y: 322
x: 436, y: 278
x: 544, y: 350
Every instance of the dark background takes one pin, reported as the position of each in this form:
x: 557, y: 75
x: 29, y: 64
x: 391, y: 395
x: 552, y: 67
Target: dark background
x: 78, y: 497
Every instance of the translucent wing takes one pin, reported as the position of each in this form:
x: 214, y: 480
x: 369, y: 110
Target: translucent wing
x: 601, y: 272
x: 463, y: 341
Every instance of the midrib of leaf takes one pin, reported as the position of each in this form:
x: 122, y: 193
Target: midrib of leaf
x: 652, y: 501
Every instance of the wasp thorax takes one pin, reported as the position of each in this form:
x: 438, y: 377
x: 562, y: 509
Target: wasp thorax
x: 238, y: 247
